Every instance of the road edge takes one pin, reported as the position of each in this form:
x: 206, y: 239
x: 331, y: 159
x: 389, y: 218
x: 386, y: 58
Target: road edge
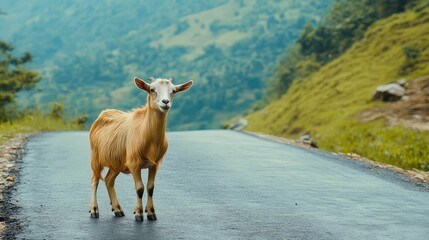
x: 413, y: 175
x: 10, y: 154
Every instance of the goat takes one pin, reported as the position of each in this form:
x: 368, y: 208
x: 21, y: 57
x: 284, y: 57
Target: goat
x: 130, y: 141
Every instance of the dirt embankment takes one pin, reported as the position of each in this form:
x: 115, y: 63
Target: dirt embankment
x: 412, y: 113
x: 9, y: 154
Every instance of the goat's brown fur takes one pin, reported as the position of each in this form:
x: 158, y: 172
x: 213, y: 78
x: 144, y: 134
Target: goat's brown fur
x: 130, y: 141
x: 123, y: 141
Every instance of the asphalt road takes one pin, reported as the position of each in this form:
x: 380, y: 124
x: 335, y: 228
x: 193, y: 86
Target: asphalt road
x: 219, y: 185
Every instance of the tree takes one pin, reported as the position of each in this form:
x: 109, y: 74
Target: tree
x: 13, y: 76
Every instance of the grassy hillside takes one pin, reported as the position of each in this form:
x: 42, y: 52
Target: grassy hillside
x: 35, y: 123
x: 326, y: 103
x: 89, y: 51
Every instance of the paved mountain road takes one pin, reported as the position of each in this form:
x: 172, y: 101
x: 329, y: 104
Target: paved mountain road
x: 219, y: 185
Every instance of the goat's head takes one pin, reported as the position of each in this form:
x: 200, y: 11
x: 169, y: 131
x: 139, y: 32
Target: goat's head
x: 161, y: 91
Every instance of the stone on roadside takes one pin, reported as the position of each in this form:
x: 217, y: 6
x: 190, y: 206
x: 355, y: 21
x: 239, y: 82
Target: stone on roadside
x: 2, y: 228
x: 10, y: 178
x: 308, y: 140
x: 238, y: 124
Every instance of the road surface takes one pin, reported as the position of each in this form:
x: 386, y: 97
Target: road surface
x: 219, y: 185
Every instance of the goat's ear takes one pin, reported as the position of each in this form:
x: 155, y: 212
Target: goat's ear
x: 142, y: 84
x: 185, y: 86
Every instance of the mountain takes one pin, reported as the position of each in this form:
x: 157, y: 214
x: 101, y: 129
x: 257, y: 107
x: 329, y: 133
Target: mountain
x: 330, y: 103
x: 88, y: 51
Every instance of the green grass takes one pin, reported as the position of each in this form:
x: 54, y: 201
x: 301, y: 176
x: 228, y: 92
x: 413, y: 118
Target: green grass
x: 388, y: 144
x: 325, y: 104
x: 34, y: 123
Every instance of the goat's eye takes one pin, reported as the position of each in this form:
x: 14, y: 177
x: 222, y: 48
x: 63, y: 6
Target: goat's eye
x: 174, y: 91
x: 152, y: 90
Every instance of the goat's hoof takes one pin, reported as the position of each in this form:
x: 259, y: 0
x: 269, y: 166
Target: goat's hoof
x: 93, y: 211
x: 120, y: 214
x: 152, y: 217
x: 139, y: 218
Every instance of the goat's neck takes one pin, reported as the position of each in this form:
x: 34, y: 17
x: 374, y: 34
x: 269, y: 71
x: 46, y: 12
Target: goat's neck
x: 156, y: 121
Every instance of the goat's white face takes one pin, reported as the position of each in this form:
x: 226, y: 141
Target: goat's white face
x: 162, y: 91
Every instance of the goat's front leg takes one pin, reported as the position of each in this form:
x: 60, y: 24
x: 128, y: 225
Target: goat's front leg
x: 138, y: 210
x: 110, y: 185
x: 150, y: 209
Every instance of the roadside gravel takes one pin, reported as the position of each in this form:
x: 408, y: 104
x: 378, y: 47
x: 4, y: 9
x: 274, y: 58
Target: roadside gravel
x: 10, y: 153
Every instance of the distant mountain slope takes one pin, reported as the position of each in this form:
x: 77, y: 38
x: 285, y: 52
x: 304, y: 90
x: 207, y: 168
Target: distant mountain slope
x: 90, y: 50
x: 327, y: 103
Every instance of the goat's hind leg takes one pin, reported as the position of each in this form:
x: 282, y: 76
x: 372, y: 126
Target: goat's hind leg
x: 93, y: 206
x: 110, y: 185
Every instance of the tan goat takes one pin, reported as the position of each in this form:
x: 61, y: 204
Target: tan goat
x: 130, y: 141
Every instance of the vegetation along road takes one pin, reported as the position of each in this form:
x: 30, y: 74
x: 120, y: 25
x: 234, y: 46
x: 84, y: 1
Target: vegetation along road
x: 219, y: 185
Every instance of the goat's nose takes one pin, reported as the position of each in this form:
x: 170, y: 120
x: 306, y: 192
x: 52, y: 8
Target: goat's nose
x: 166, y: 101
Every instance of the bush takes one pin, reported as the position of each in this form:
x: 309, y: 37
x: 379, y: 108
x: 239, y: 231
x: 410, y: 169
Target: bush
x: 412, y: 54
x: 57, y: 110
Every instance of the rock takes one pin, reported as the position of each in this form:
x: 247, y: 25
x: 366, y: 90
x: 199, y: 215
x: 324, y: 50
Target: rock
x: 418, y: 175
x: 238, y: 124
x: 417, y: 117
x: 10, y: 178
x: 307, y: 139
x: 405, y: 98
x: 403, y: 82
x: 389, y: 92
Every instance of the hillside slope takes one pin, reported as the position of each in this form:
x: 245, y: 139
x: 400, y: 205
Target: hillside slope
x: 90, y: 50
x: 327, y: 103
